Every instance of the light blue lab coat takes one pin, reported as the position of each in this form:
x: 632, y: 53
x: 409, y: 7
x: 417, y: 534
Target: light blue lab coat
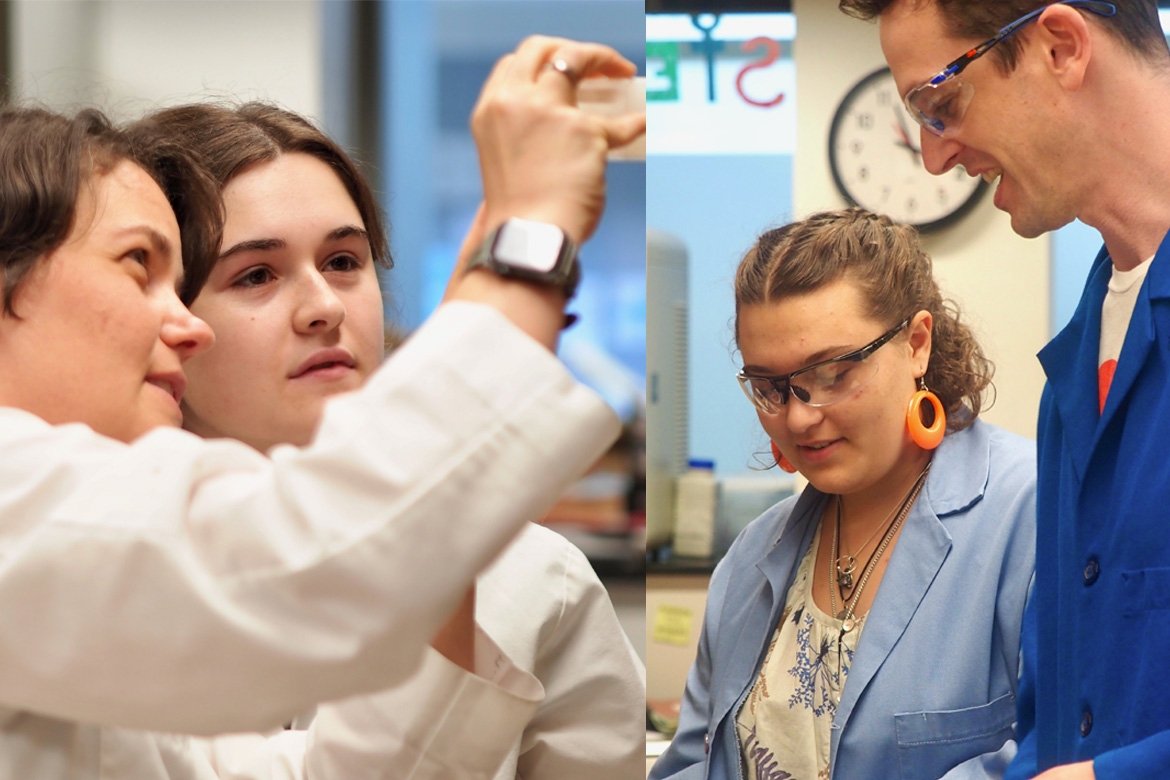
x: 931, y: 692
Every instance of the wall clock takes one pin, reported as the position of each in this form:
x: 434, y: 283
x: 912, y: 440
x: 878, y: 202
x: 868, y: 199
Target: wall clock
x: 876, y: 163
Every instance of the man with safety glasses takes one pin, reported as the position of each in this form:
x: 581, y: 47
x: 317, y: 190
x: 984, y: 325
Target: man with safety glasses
x: 1066, y: 108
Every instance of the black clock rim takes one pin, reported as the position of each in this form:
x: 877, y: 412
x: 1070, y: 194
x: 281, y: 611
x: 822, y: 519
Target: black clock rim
x: 923, y: 227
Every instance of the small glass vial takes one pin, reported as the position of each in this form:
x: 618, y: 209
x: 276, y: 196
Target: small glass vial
x: 615, y: 97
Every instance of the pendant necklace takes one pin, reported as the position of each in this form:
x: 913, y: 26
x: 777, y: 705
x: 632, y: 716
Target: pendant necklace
x: 846, y: 564
x: 846, y: 615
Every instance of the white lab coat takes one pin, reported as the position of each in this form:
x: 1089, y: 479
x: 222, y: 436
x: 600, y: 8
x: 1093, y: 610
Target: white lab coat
x: 550, y: 614
x: 552, y: 617
x: 183, y: 585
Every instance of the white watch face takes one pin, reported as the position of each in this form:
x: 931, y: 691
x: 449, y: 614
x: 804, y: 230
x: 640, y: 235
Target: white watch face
x: 877, y: 162
x: 526, y: 244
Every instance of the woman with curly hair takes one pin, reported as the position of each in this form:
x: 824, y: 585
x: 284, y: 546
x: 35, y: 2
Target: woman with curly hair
x: 870, y: 626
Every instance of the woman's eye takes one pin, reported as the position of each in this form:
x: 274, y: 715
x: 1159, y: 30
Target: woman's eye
x: 343, y: 263
x: 253, y: 277
x: 140, y: 258
x: 832, y: 375
x: 842, y: 372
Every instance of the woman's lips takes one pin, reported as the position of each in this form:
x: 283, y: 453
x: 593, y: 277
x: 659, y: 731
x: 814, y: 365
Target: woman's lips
x: 329, y: 363
x: 326, y: 372
x: 817, y: 452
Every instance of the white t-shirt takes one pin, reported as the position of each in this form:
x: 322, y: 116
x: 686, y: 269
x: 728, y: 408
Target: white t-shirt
x: 1116, y: 311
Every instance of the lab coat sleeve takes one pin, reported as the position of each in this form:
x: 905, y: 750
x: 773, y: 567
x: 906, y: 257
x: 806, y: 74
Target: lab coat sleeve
x: 278, y: 756
x: 247, y: 588
x: 1148, y: 758
x: 592, y: 723
x: 442, y: 722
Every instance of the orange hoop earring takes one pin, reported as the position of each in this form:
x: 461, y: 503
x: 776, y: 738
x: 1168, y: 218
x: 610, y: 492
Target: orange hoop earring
x: 926, y: 436
x: 782, y: 461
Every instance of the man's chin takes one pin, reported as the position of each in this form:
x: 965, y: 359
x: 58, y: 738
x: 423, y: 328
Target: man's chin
x: 1028, y: 222
x: 1032, y: 227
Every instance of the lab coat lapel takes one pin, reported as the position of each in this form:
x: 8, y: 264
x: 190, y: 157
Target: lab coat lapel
x: 1074, y: 390
x: 1140, y: 337
x: 957, y: 480
x: 917, y: 557
x: 778, y: 565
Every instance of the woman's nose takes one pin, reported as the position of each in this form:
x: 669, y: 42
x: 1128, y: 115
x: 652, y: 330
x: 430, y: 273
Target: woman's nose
x: 185, y: 333
x: 799, y: 416
x: 319, y: 307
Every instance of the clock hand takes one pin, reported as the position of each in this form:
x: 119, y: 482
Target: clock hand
x: 905, y: 145
x: 904, y: 137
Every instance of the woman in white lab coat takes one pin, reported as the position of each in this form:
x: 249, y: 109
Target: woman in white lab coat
x: 296, y: 308
x: 153, y: 580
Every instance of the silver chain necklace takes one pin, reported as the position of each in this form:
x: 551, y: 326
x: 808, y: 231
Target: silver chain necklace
x: 846, y: 615
x: 846, y: 564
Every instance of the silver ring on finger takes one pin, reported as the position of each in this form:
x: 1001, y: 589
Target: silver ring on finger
x: 562, y: 66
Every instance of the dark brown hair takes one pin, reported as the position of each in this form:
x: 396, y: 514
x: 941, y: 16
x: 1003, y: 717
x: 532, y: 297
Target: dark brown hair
x: 229, y: 139
x: 893, y: 272
x: 45, y: 159
x: 1136, y: 23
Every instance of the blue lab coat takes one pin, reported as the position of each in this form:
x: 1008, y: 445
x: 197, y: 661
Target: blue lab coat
x: 1097, y: 638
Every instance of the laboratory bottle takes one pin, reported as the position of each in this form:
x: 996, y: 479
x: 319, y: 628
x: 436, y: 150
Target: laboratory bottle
x: 695, y: 501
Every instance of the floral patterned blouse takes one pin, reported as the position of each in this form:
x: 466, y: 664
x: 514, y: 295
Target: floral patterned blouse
x: 784, y: 723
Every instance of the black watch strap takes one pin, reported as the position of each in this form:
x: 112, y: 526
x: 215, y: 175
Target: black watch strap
x: 537, y: 252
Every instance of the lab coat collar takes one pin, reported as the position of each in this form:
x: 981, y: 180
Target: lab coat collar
x: 1074, y: 389
x: 947, y: 490
x: 957, y: 480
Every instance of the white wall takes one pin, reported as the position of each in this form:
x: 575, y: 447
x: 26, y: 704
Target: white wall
x: 1000, y: 281
x: 130, y: 56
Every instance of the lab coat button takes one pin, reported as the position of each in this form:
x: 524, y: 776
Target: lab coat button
x: 1086, y: 722
x: 1092, y: 571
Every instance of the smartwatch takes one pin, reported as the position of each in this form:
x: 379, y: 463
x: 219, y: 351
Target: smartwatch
x: 533, y: 251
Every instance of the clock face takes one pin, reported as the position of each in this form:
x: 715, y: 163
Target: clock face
x: 876, y: 162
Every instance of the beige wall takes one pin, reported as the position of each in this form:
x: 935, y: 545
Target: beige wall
x: 130, y: 57
x: 1000, y: 281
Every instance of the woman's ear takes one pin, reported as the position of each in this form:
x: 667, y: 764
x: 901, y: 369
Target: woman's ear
x: 919, y: 336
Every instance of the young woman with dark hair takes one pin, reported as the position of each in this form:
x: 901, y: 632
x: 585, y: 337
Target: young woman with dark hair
x: 295, y: 304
